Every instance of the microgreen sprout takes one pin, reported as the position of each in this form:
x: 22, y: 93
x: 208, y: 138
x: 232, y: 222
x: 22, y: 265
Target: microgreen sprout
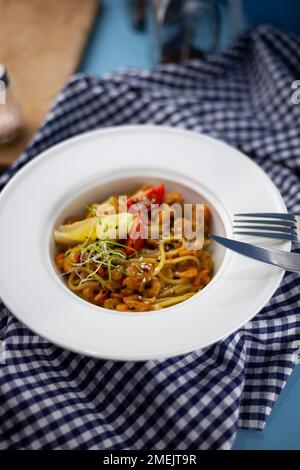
x: 101, y: 253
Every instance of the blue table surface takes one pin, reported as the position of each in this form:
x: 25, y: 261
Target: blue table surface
x: 114, y: 44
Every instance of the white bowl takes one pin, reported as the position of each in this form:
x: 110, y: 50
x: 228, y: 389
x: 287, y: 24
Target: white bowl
x: 95, y: 165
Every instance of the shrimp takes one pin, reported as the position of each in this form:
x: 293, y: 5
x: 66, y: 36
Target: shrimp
x: 206, y: 260
x: 174, y: 197
x: 151, y: 290
x: 110, y: 303
x: 202, y: 279
x: 88, y: 293
x: 59, y: 261
x: 70, y: 260
x: 122, y: 307
x: 116, y: 275
x: 135, y: 277
x: 189, y: 273
x: 101, y: 296
x: 135, y: 302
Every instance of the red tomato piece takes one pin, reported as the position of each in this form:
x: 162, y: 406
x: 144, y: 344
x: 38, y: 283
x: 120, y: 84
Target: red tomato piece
x: 133, y: 245
x: 153, y: 195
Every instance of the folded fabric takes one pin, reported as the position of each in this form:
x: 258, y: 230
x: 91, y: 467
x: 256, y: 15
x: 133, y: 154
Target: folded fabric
x: 53, y: 399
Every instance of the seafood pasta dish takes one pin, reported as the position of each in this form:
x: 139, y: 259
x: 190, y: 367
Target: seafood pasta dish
x: 134, y: 253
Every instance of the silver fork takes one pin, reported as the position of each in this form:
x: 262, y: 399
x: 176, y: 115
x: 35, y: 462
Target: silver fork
x: 269, y: 225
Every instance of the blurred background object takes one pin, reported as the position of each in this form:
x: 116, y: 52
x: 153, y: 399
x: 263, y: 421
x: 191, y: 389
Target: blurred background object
x: 284, y: 14
x: 41, y: 44
x: 185, y: 29
x: 139, y: 8
x: 10, y: 114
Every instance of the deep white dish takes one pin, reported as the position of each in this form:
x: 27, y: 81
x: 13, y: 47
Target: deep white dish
x: 109, y: 161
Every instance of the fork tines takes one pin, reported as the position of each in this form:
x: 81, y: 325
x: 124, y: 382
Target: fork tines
x: 268, y: 215
x: 266, y: 224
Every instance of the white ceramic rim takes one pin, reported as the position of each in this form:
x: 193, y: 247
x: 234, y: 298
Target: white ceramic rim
x: 171, y: 318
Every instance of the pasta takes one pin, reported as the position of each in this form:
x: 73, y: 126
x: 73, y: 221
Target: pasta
x: 134, y: 274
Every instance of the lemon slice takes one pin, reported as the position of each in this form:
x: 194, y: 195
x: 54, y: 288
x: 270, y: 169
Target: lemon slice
x: 115, y: 226
x: 77, y: 232
x: 110, y: 226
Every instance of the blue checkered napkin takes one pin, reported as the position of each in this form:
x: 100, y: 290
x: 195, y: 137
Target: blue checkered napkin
x: 54, y: 399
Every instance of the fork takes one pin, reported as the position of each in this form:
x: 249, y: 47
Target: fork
x: 269, y: 225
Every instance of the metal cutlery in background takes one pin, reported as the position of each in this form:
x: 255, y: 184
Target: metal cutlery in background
x: 138, y: 13
x: 269, y: 225
x: 188, y: 29
x: 184, y: 29
x: 282, y: 259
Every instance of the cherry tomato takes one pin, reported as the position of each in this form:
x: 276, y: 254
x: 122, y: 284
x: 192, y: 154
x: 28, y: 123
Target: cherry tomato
x: 133, y: 245
x: 153, y: 195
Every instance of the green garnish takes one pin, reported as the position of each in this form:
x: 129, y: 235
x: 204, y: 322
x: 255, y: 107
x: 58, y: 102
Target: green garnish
x: 101, y: 253
x: 89, y: 208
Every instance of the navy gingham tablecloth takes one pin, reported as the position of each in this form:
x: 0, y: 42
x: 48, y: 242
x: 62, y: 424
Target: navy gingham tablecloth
x: 53, y: 399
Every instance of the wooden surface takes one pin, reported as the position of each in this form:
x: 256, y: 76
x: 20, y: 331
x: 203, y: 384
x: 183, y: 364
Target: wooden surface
x: 41, y: 42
